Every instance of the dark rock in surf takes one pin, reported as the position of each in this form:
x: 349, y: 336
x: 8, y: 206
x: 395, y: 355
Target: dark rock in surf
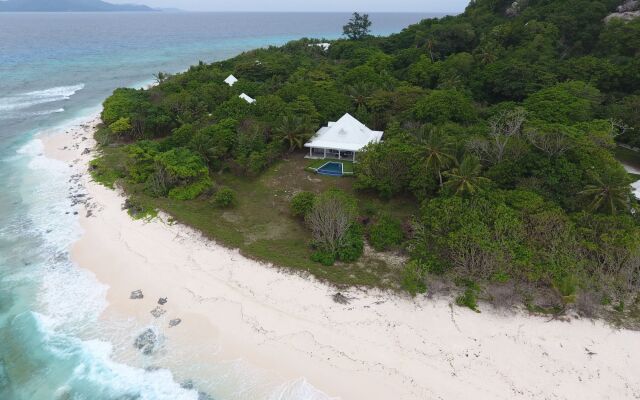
x: 146, y: 341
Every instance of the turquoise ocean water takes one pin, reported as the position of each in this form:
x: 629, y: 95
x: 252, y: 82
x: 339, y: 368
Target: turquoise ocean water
x: 56, y: 69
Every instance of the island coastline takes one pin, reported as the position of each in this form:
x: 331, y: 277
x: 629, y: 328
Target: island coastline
x: 379, y: 346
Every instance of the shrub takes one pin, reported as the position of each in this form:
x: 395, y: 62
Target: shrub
x: 139, y: 210
x: 102, y: 173
x: 225, y: 198
x: 566, y: 286
x: 468, y: 298
x: 190, y: 192
x: 121, y: 126
x: 350, y: 248
x: 386, y: 233
x: 179, y: 172
x: 413, y: 278
x: 302, y: 203
x: 352, y: 245
x: 323, y: 257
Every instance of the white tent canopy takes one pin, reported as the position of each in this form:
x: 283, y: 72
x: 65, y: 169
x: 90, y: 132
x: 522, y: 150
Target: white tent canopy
x: 231, y: 80
x: 246, y: 98
x: 342, y: 139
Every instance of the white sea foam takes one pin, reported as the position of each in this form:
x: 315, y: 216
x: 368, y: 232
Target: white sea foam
x: 29, y: 99
x: 94, y: 374
x: 45, y: 112
x: 70, y: 298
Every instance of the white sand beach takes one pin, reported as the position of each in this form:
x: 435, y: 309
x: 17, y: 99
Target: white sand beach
x: 286, y: 329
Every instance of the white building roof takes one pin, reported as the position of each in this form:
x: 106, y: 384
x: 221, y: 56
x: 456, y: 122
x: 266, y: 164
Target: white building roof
x: 347, y: 134
x: 231, y: 80
x: 325, y: 46
x: 246, y: 98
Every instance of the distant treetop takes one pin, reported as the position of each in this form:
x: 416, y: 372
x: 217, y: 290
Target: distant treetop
x: 358, y: 27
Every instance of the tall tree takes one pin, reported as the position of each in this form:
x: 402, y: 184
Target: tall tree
x: 160, y: 77
x: 293, y: 130
x: 435, y: 152
x: 358, y: 27
x: 607, y: 195
x: 465, y: 179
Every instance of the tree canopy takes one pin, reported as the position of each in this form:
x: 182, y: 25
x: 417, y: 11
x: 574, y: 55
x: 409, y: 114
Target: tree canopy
x: 499, y: 122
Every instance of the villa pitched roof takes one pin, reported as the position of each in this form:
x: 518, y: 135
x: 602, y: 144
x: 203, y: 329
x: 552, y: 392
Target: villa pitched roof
x: 324, y: 46
x: 347, y: 134
x: 247, y: 98
x: 231, y: 80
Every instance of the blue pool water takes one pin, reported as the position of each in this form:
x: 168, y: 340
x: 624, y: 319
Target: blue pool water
x: 57, y: 68
x: 331, y: 169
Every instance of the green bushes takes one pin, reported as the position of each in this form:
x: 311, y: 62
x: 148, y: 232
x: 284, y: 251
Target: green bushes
x: 386, y: 233
x: 352, y: 245
x: 323, y: 257
x: 302, y: 203
x: 468, y: 299
x: 413, y: 278
x: 103, y: 173
x: 180, y: 174
x: 349, y: 250
x: 225, y: 198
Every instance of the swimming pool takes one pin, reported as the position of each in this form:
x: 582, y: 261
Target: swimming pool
x: 331, y: 169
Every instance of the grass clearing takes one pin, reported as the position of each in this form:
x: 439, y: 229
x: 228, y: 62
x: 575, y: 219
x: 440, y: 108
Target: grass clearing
x: 261, y: 225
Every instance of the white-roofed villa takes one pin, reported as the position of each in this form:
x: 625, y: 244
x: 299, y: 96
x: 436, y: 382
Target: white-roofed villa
x: 247, y: 98
x: 341, y: 140
x: 323, y: 46
x: 231, y: 80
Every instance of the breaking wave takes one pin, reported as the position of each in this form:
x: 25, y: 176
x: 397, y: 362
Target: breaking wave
x: 29, y: 99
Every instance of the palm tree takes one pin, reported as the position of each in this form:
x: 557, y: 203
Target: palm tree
x: 465, y: 179
x: 435, y: 152
x: 293, y: 130
x: 487, y: 55
x: 360, y: 93
x: 606, y: 195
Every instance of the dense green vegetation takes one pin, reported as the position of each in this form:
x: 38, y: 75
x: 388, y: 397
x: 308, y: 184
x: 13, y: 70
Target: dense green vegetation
x: 496, y: 173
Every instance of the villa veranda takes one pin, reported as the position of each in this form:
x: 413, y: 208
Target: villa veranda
x: 316, y: 153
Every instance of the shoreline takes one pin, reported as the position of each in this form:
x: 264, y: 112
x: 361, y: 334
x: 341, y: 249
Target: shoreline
x: 286, y: 329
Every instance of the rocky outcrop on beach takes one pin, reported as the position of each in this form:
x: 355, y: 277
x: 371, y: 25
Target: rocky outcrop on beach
x: 146, y: 341
x: 627, y: 11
